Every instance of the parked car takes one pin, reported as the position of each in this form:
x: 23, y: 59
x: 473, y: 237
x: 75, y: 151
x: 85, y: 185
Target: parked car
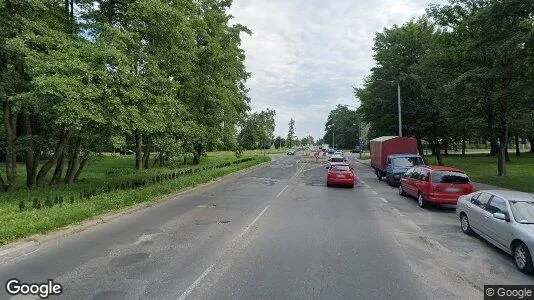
x: 126, y: 152
x: 356, y: 149
x: 338, y: 152
x: 435, y: 185
x: 503, y: 218
x: 340, y: 174
x: 392, y: 156
x: 290, y: 152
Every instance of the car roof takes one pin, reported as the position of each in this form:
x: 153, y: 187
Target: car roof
x: 511, y: 195
x: 403, y: 155
x: 441, y: 168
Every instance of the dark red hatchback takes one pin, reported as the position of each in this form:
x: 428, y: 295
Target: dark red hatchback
x: 435, y: 184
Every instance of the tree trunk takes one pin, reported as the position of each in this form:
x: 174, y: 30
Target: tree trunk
x: 146, y: 155
x: 517, y: 151
x: 494, y: 146
x: 198, y: 153
x: 432, y: 147
x: 531, y: 140
x: 138, y: 150
x: 446, y: 146
x: 56, y: 179
x: 2, y: 183
x: 503, y: 136
x: 74, y: 161
x: 10, y: 122
x: 156, y: 159
x: 60, y: 146
x: 161, y: 159
x: 463, y: 147
x: 31, y: 160
x: 420, y: 146
x: 438, y: 153
x: 82, y: 165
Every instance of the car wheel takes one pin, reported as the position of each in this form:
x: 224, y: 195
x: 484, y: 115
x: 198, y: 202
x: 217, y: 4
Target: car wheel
x: 421, y: 201
x: 464, y: 224
x: 378, y: 176
x: 522, y: 258
x: 401, y: 190
x: 328, y: 184
x: 352, y: 186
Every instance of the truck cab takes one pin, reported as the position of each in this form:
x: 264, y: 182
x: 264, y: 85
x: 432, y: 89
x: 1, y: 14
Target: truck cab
x: 398, y: 164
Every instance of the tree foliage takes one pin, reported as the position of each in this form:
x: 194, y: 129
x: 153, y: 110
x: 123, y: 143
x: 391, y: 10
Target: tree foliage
x: 465, y: 71
x: 342, y: 128
x: 76, y: 76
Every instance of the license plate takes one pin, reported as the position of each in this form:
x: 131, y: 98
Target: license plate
x: 452, y: 190
x: 340, y: 176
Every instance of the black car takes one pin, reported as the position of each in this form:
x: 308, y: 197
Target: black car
x: 126, y: 152
x: 356, y: 150
x: 290, y: 152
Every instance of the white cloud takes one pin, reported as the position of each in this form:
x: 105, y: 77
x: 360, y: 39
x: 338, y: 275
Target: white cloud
x: 305, y: 55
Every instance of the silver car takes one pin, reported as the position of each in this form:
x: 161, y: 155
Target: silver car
x: 504, y: 218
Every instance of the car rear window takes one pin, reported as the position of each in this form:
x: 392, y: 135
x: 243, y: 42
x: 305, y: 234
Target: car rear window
x: 340, y: 168
x: 337, y: 159
x: 449, y: 177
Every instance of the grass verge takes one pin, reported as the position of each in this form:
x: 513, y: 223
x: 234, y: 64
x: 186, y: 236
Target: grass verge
x: 482, y: 168
x: 18, y: 224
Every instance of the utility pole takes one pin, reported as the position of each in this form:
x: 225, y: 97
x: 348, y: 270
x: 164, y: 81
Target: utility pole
x: 398, y: 101
x: 399, y: 107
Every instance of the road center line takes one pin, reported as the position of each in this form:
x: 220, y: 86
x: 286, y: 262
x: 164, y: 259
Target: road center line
x: 384, y: 200
x: 374, y: 192
x: 255, y: 220
x: 194, y: 284
x: 282, y: 191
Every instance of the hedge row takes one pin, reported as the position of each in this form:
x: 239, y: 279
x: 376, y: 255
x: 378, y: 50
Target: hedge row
x: 126, y: 184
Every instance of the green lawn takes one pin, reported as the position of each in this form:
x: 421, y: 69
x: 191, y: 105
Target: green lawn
x: 483, y: 168
x: 108, y: 183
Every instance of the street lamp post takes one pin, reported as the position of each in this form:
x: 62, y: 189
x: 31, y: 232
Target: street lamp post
x: 399, y: 107
x: 398, y: 102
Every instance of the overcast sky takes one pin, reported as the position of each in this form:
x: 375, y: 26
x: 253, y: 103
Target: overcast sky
x: 305, y: 55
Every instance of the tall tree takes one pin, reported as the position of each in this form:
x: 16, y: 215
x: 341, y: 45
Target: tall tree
x: 290, y: 133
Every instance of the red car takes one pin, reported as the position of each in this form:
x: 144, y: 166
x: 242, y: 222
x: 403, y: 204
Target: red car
x: 340, y: 174
x: 435, y: 184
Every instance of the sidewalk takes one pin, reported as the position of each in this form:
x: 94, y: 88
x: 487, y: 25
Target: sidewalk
x: 478, y: 186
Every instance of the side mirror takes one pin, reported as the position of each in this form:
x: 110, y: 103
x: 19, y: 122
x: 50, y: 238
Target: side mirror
x: 501, y: 216
x: 327, y: 167
x: 351, y: 168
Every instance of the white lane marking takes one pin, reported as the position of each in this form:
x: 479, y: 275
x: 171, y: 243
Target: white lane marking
x: 384, y: 200
x: 282, y: 191
x: 194, y: 284
x: 374, y: 192
x: 255, y: 220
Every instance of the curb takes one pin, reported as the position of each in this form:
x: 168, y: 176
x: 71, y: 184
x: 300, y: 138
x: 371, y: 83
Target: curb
x: 30, y: 244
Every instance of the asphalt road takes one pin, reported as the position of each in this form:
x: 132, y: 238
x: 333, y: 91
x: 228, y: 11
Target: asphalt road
x: 276, y: 232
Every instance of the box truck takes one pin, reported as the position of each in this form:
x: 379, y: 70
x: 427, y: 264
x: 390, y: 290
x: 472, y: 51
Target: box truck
x: 392, y: 156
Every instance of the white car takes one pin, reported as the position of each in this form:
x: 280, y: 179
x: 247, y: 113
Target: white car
x: 338, y: 152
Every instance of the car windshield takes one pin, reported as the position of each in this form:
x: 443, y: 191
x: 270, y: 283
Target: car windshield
x: 337, y: 159
x: 523, y: 211
x: 449, y: 177
x: 340, y: 168
x: 407, y: 162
